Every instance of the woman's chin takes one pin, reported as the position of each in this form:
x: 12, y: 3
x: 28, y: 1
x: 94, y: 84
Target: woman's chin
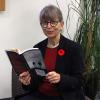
x: 51, y: 36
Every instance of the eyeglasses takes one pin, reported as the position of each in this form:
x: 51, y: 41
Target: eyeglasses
x: 52, y: 23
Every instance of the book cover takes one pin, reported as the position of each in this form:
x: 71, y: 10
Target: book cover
x: 30, y: 59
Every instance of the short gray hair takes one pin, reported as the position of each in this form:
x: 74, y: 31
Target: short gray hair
x: 49, y: 13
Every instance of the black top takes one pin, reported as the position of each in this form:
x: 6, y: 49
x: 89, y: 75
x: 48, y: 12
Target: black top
x: 70, y: 66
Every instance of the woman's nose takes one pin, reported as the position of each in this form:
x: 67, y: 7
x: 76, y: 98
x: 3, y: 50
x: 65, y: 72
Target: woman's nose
x: 49, y: 25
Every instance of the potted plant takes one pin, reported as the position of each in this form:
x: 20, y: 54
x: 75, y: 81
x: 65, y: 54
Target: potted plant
x: 88, y: 35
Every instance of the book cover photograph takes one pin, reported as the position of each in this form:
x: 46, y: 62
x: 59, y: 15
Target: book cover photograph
x: 27, y: 60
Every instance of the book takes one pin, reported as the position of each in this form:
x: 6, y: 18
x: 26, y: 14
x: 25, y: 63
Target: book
x: 29, y: 59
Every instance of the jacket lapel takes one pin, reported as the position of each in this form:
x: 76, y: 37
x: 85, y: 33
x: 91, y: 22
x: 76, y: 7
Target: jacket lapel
x: 61, y: 55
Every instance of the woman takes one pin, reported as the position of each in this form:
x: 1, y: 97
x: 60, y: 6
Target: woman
x: 63, y: 61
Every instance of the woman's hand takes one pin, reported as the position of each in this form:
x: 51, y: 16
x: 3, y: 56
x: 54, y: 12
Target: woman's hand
x: 25, y: 78
x: 53, y: 77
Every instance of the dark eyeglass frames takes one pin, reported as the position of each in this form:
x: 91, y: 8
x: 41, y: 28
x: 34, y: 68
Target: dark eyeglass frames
x: 52, y: 23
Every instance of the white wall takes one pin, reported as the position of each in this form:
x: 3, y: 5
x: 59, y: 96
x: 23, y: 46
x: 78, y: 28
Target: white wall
x: 19, y: 24
x: 5, y: 76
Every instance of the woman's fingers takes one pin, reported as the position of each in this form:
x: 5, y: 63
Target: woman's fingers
x: 53, y: 77
x: 25, y: 78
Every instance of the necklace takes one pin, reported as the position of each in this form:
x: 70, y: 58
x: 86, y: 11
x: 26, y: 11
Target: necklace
x: 53, y: 46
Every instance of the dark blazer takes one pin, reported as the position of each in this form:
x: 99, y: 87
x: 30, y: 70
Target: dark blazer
x: 70, y: 66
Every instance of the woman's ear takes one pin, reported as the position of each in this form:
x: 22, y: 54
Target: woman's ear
x: 62, y: 24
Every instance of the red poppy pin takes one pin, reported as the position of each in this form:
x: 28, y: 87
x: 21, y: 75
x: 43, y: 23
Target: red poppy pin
x: 61, y: 52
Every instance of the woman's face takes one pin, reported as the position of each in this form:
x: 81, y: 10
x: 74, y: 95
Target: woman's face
x: 52, y: 28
